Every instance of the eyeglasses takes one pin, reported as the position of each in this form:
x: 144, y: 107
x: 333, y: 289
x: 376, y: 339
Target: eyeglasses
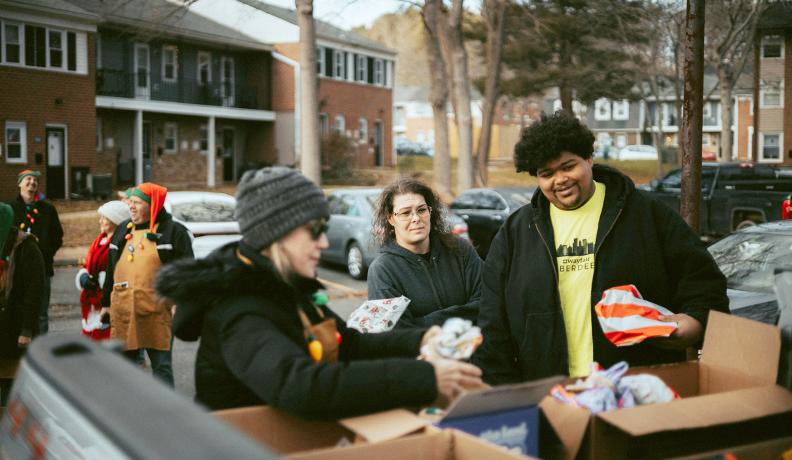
x: 317, y: 228
x: 421, y: 212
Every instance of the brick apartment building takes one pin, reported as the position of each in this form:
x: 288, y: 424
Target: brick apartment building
x: 772, y: 127
x: 355, y: 79
x: 47, y: 77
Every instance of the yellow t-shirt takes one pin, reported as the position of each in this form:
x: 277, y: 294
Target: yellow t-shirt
x: 575, y: 234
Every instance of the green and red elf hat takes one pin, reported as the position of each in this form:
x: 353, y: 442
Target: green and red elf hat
x: 154, y: 195
x: 27, y: 172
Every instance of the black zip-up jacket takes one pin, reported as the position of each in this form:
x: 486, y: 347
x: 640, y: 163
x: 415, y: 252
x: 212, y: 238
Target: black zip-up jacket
x: 448, y: 285
x: 47, y: 228
x: 20, y: 301
x: 173, y: 244
x: 640, y: 241
x: 253, y: 350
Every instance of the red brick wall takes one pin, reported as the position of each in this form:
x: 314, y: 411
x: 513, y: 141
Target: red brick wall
x: 353, y: 100
x: 30, y: 95
x: 283, y: 89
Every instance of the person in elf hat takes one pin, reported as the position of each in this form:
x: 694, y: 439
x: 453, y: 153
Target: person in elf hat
x: 35, y: 214
x: 22, y: 278
x: 91, y: 276
x: 267, y: 335
x: 138, y: 248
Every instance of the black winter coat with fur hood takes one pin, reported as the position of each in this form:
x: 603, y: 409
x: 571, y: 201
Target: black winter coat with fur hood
x: 253, y: 350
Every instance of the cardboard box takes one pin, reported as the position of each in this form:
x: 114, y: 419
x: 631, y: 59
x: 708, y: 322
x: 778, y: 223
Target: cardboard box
x: 728, y: 397
x: 773, y: 449
x: 287, y: 434
x: 441, y: 445
x: 507, y: 415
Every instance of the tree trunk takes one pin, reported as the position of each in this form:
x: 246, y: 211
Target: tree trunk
x: 493, y: 11
x: 438, y: 95
x: 726, y: 110
x: 461, y: 88
x: 690, y: 200
x: 310, y: 156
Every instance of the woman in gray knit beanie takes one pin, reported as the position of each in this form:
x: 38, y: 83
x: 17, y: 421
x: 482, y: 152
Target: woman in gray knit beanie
x: 267, y: 334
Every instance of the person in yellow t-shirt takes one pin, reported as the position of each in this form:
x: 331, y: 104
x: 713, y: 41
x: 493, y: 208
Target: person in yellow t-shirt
x: 587, y: 229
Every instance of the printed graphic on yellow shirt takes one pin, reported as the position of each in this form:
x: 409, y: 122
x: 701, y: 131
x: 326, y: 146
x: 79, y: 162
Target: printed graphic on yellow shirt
x: 575, y: 233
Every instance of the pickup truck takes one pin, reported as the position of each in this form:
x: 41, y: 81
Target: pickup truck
x: 733, y: 195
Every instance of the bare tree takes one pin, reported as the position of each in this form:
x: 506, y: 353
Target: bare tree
x: 730, y: 31
x: 690, y: 200
x: 431, y: 14
x: 453, y: 47
x: 310, y: 158
x: 493, y: 12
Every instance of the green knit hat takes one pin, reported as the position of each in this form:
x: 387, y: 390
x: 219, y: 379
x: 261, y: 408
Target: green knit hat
x: 27, y: 172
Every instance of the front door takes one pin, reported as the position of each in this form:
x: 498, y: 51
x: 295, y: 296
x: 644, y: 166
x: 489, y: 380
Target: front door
x: 147, y: 163
x: 228, y: 154
x: 142, y: 71
x: 56, y: 170
x: 378, y: 143
x: 227, y: 83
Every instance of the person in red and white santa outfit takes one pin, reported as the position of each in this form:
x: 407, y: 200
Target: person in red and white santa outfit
x: 91, y: 276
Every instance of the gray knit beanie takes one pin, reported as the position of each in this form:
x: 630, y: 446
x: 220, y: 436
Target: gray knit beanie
x: 271, y: 202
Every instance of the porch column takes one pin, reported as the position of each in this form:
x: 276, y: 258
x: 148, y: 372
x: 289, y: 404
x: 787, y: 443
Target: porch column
x: 137, y: 143
x: 210, y: 155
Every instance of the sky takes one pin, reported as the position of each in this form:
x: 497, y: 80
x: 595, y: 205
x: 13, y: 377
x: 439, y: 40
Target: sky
x: 348, y: 13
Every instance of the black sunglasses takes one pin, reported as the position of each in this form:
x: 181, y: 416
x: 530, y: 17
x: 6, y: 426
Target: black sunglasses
x: 317, y: 228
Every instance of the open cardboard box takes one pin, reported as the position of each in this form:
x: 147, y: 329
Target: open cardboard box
x: 508, y: 416
x: 729, y: 397
x: 436, y: 445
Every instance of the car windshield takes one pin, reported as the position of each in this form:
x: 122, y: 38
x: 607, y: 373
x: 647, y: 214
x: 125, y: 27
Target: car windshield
x: 204, y: 211
x: 749, y: 258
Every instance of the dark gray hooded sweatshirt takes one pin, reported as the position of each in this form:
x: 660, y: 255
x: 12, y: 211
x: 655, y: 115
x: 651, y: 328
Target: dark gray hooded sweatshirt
x: 448, y: 285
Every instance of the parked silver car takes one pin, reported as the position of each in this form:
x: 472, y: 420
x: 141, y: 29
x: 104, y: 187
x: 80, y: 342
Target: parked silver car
x: 349, y: 229
x: 209, y: 216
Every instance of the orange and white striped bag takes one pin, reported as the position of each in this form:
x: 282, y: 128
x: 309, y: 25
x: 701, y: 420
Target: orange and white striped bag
x: 626, y: 318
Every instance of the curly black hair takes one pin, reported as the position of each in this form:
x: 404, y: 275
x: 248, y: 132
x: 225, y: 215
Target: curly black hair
x: 544, y: 141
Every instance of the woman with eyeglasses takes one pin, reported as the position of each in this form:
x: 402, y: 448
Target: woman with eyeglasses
x: 420, y: 258
x: 268, y: 336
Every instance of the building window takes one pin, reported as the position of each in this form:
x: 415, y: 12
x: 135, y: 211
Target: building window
x: 204, y: 67
x: 707, y: 110
x: 98, y: 134
x: 379, y: 72
x: 363, y: 130
x: 339, y: 125
x: 35, y: 46
x: 169, y: 63
x: 324, y: 124
x: 320, y: 61
x: 204, y: 142
x: 770, y: 150
x: 362, y: 68
x: 602, y: 109
x: 13, y: 43
x: 171, y: 138
x: 621, y: 110
x: 338, y: 64
x: 16, y: 142
x: 400, y: 117
x: 56, y: 46
x: 772, y: 47
x: 772, y: 94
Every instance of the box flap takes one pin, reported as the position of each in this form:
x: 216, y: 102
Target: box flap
x: 569, y: 423
x: 701, y: 411
x: 738, y: 353
x: 501, y: 398
x: 383, y: 426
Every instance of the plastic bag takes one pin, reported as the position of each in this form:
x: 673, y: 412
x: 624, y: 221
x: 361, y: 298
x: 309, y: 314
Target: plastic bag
x: 626, y: 318
x: 458, y: 340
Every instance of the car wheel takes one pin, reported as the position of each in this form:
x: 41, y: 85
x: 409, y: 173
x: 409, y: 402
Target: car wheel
x: 745, y: 224
x: 356, y: 267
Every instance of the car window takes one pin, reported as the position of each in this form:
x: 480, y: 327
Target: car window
x: 748, y: 259
x: 337, y: 205
x: 203, y: 211
x: 491, y: 201
x: 519, y: 199
x: 673, y: 180
x: 467, y: 200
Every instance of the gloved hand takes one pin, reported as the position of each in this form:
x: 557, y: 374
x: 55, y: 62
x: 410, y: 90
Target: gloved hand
x: 88, y: 282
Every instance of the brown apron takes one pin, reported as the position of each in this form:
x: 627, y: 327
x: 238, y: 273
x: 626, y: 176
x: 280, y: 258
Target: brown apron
x: 138, y: 317
x: 325, y: 332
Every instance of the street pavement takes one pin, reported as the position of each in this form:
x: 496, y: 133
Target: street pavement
x: 345, y: 295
